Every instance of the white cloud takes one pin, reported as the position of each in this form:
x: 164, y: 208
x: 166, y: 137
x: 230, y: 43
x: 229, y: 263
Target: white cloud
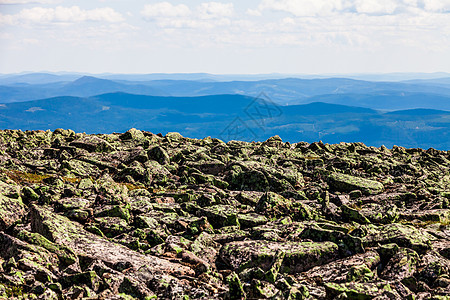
x: 30, y: 41
x: 212, y: 10
x: 61, y: 14
x: 6, y: 36
x: 254, y: 12
x: 207, y: 15
x: 437, y: 5
x: 376, y: 7
x: 367, y: 25
x: 165, y: 10
x: 34, y: 109
x: 180, y: 23
x: 29, y: 1
x: 6, y: 20
x: 303, y: 8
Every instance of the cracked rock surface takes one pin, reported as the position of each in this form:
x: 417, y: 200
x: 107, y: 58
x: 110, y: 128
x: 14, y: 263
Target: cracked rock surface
x: 144, y: 216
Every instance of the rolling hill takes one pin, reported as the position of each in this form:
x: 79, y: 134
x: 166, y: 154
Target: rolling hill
x: 288, y: 91
x: 85, y: 86
x: 231, y: 117
x: 388, y: 100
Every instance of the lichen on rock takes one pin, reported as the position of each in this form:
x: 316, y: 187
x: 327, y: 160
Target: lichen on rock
x: 145, y: 216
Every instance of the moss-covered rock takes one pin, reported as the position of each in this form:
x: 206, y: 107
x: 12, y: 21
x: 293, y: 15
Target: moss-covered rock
x: 379, y: 214
x: 221, y: 215
x: 236, y: 290
x: 28, y: 194
x: 89, y: 278
x: 93, y: 143
x: 347, y: 183
x: 112, y: 226
x: 262, y: 290
x: 357, y: 291
x: 134, y: 135
x: 402, y: 235
x: 251, y: 220
x: 62, y: 231
x: 247, y: 180
x: 11, y: 205
x: 353, y: 214
x: 120, y: 211
x: 401, y: 265
x: 139, y: 215
x: 298, y: 257
x: 273, y: 205
x: 159, y: 154
x: 432, y: 265
x: 358, y: 268
x: 65, y: 254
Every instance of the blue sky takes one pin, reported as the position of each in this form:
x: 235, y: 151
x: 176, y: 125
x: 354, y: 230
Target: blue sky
x: 233, y: 37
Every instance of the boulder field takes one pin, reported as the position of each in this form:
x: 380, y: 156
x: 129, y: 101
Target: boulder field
x: 143, y: 216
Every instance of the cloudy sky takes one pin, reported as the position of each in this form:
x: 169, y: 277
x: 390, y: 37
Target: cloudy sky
x: 251, y: 36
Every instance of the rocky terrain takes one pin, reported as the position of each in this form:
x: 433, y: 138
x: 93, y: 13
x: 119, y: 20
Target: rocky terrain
x: 145, y: 216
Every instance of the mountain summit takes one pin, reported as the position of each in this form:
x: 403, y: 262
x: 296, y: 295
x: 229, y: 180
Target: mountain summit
x: 136, y: 215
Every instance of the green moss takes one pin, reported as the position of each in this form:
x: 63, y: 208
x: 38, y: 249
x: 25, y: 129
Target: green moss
x: 13, y: 291
x: 348, y: 183
x: 272, y: 274
x: 95, y: 230
x: 29, y: 194
x: 299, y: 293
x: 360, y: 273
x: 119, y: 211
x: 274, y: 205
x: 357, y: 291
x: 352, y: 214
x: 387, y: 251
x: 65, y: 254
x: 221, y: 215
x: 236, y: 290
x: 89, y: 278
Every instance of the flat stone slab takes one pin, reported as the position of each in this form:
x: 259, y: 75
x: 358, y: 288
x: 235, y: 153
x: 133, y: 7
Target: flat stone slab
x: 62, y: 231
x: 347, y: 183
x: 298, y: 256
x: 11, y: 205
x: 401, y: 266
x: 431, y: 215
x: 402, y: 235
x: 338, y: 271
x: 356, y: 290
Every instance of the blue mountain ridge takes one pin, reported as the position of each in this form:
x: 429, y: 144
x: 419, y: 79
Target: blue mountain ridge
x: 220, y: 115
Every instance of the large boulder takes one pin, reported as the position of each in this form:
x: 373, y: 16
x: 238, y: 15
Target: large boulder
x: 347, y: 183
x: 92, y: 143
x: 273, y: 205
x: 62, y: 231
x: 11, y: 205
x: 134, y: 135
x: 359, y: 267
x: 298, y: 257
x: 220, y: 215
x: 360, y: 291
x: 402, y: 235
x: 159, y: 154
x: 401, y: 266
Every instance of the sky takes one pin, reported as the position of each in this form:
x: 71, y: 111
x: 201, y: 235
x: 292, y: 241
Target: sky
x: 225, y: 37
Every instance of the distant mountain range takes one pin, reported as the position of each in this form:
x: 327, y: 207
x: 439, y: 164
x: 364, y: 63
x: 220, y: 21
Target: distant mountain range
x: 230, y: 117
x: 430, y: 94
x: 413, y: 113
x: 49, y: 77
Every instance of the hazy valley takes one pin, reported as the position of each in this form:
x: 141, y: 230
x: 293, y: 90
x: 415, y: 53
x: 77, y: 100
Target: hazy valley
x: 411, y: 113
